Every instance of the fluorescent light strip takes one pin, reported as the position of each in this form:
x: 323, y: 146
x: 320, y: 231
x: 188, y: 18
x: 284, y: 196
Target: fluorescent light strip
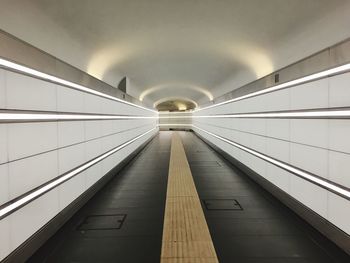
x: 33, y: 72
x: 341, y: 191
x: 295, y: 82
x: 291, y: 114
x: 338, y: 113
x: 25, y: 117
x: 12, y: 206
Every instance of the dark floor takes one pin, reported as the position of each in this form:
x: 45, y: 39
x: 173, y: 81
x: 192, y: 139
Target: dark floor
x: 138, y: 192
x: 259, y: 229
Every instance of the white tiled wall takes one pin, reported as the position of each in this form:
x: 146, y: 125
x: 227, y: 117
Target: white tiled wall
x: 70, y: 132
x: 339, y: 211
x: 26, y: 174
x: 93, y: 104
x: 25, y: 139
x: 311, y: 195
x: 167, y: 118
x: 3, y: 143
x: 33, y: 153
x: 2, y: 89
x: 71, y: 189
x: 339, y: 90
x: 300, y: 96
x: 36, y: 214
x: 70, y: 100
x: 5, y: 237
x: 279, y: 100
x: 311, y: 132
x: 317, y: 159
x: 339, y: 168
x: 318, y: 146
x: 70, y: 157
x: 34, y: 95
x: 339, y: 131
x: 278, y: 128
x: 4, y: 183
x: 92, y: 129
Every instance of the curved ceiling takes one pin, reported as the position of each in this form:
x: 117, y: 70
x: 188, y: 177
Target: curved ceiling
x: 191, y: 49
x: 175, y: 104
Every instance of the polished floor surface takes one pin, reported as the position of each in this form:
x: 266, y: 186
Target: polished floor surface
x: 246, y: 223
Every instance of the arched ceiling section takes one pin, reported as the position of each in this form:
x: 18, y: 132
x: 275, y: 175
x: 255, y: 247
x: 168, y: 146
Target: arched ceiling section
x: 175, y: 105
x: 186, y: 49
x: 174, y: 88
x: 156, y: 103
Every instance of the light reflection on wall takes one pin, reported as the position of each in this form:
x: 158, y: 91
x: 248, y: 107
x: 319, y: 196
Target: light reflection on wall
x: 255, y: 58
x: 105, y: 59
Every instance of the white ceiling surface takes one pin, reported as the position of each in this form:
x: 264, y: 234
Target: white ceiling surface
x: 195, y: 49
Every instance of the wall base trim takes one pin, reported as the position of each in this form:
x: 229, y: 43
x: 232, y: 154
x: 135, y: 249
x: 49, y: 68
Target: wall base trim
x: 32, y: 244
x: 326, y: 228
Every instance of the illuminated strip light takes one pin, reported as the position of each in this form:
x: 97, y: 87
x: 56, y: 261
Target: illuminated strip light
x: 328, y: 185
x: 33, y: 117
x: 315, y: 76
x: 314, y: 114
x: 28, y: 197
x: 33, y: 72
x: 294, y: 114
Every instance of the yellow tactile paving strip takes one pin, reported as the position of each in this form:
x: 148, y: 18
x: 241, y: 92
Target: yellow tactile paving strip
x: 186, y: 237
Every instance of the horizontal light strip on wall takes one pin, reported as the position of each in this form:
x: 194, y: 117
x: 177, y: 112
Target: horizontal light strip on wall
x: 6, y: 117
x: 315, y: 76
x: 15, y: 204
x: 336, y: 113
x: 307, y: 114
x: 79, y: 143
x: 326, y: 184
x: 23, y: 69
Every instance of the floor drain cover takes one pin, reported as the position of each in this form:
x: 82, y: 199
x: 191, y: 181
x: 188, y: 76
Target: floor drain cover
x: 102, y: 222
x: 205, y: 163
x: 222, y: 204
